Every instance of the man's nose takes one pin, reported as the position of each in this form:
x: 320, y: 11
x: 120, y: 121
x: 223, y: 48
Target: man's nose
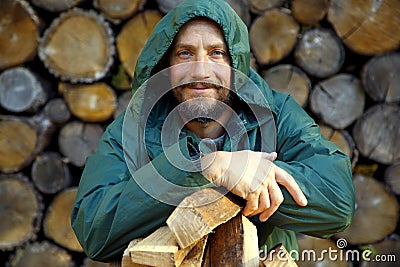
x: 200, y: 68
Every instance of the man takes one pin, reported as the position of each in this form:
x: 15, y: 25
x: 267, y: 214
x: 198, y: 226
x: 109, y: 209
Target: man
x: 219, y: 119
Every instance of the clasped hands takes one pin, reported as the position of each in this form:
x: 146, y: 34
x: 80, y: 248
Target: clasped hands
x: 254, y: 177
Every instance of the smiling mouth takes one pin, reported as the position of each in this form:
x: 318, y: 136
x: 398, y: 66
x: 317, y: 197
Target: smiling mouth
x: 201, y: 86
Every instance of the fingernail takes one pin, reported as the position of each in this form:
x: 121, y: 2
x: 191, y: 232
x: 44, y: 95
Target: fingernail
x: 303, y: 201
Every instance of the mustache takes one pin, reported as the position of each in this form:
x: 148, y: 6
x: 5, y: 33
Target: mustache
x: 194, y: 84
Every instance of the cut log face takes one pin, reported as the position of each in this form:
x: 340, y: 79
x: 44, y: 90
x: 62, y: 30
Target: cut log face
x: 18, y: 142
x: 56, y: 5
x: 21, y: 90
x: 92, y: 103
x: 83, y: 57
x: 50, y: 173
x: 19, y: 34
x: 198, y: 214
x: 273, y: 36
x: 117, y: 10
x: 133, y: 37
x: 122, y: 103
x: 377, y: 132
x: 367, y: 27
x: 338, y: 101
x: 392, y: 177
x: 320, y: 53
x: 341, y: 138
x: 289, y: 79
x: 260, y: 6
x: 376, y: 213
x: 77, y: 134
x: 166, y: 5
x: 309, y: 12
x: 41, y: 254
x: 234, y: 243
x: 57, y: 111
x: 21, y: 211
x: 57, y: 222
x: 380, y: 77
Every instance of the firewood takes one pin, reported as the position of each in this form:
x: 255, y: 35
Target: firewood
x: 376, y: 214
x: 273, y: 36
x: 195, y: 256
x: 309, y: 12
x: 338, y: 101
x: 343, y: 140
x: 319, y: 52
x: 22, y: 90
x: 380, y: 78
x: 41, y: 254
x: 19, y: 33
x: 57, y: 222
x: 241, y: 7
x: 50, y: 173
x: 367, y: 27
x: 122, y: 103
x: 260, y: 6
x: 21, y: 211
x: 91, y: 263
x: 126, y: 257
x: 56, y: 110
x: 289, y: 79
x: 117, y: 10
x: 133, y: 36
x: 56, y: 5
x: 167, y: 5
x: 234, y: 243
x: 376, y: 133
x: 278, y: 256
x: 314, y: 252
x: 90, y: 102
x: 18, y: 142
x: 78, y: 46
x: 201, y: 212
x: 392, y: 177
x: 159, y: 249
x: 80, y: 135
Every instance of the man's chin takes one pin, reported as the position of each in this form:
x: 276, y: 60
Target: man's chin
x: 203, y: 120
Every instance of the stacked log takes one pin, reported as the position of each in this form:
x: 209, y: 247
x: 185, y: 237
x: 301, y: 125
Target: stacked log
x: 65, y: 73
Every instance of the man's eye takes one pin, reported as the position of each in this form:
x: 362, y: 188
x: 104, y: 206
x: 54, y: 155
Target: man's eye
x: 184, y: 53
x: 218, y: 53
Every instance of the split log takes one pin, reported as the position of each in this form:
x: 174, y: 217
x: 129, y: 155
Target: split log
x: 260, y: 6
x: 195, y: 256
x: 18, y: 142
x: 289, y: 79
x: 122, y: 103
x: 159, y: 249
x: 392, y: 177
x: 41, y: 254
x: 50, y: 173
x: 21, y: 211
x: 376, y: 213
x: 78, y: 46
x: 80, y: 135
x: 56, y: 5
x: 234, y: 243
x: 278, y: 256
x: 338, y: 101
x: 201, y: 212
x: 388, y: 251
x: 19, y: 33
x: 126, y: 257
x: 89, y: 102
x: 22, y: 90
x: 380, y: 77
x: 273, y: 36
x: 367, y: 27
x: 376, y: 133
x: 117, y: 10
x: 309, y: 12
x: 57, y: 222
x: 343, y: 140
x: 320, y: 53
x: 314, y: 252
x: 133, y: 37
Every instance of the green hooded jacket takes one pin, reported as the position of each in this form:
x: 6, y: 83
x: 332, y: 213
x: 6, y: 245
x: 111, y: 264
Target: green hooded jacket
x: 111, y: 207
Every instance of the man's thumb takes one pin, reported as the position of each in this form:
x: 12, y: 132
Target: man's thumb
x: 270, y: 156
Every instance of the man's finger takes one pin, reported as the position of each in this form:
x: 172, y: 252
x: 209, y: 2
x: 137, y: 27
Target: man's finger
x: 285, y: 179
x: 270, y: 156
x: 251, y: 203
x: 263, y: 202
x: 276, y: 199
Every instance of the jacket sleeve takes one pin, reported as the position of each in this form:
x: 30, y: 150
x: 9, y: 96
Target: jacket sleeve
x: 322, y: 171
x: 111, y: 208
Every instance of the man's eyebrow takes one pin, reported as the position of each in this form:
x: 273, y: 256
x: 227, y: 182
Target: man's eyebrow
x: 190, y: 46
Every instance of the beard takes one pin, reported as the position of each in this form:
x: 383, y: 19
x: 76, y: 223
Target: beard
x: 202, y: 109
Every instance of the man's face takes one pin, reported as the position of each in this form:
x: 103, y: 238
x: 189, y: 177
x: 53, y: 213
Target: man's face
x: 204, y: 69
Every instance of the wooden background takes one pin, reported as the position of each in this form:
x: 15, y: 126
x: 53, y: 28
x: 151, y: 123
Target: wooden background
x: 65, y: 73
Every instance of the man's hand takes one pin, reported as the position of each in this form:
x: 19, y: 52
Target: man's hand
x: 254, y: 177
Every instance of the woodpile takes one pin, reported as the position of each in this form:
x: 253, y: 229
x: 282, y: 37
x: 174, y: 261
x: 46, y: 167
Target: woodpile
x: 65, y: 73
